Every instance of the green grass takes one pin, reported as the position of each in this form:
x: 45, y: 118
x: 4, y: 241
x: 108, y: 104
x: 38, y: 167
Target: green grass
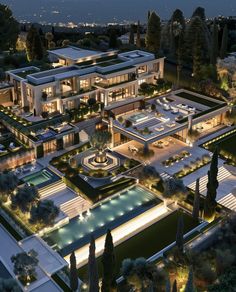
x: 197, y: 99
x: 148, y: 242
x: 226, y: 147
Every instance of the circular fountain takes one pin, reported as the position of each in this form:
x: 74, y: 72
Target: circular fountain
x: 106, y: 161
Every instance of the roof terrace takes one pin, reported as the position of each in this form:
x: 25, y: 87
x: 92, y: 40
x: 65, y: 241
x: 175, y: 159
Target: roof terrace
x: 169, y: 116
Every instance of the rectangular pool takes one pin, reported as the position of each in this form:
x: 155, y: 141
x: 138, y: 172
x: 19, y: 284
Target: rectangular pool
x: 110, y: 214
x: 41, y: 177
x: 137, y: 118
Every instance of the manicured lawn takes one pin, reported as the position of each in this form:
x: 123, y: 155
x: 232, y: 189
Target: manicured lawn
x: 197, y: 99
x: 148, y: 242
x: 226, y: 147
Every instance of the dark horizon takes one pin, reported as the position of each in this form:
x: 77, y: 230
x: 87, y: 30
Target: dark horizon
x: 103, y: 11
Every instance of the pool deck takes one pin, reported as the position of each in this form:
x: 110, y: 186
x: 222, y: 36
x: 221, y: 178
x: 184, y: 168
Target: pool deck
x: 114, y: 212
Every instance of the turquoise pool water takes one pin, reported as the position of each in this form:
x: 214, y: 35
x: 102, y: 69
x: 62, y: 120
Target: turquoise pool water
x: 110, y: 214
x: 39, y: 177
x: 138, y: 117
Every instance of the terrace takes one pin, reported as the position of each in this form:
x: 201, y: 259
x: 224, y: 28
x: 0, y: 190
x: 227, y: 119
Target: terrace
x: 166, y: 116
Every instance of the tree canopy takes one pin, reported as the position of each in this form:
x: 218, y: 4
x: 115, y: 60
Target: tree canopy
x: 25, y: 265
x: 34, y: 47
x: 9, y: 29
x: 8, y: 183
x: 100, y: 139
x: 44, y: 213
x: 108, y: 264
x: 25, y: 198
x: 9, y: 285
x: 153, y: 35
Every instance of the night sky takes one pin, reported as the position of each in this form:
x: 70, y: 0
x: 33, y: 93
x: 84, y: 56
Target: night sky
x: 111, y: 10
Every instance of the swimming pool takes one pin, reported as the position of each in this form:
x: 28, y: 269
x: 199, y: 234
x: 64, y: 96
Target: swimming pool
x: 139, y: 117
x: 39, y: 178
x: 110, y: 214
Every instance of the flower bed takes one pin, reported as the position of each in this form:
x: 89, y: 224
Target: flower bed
x: 176, y: 158
x: 193, y: 166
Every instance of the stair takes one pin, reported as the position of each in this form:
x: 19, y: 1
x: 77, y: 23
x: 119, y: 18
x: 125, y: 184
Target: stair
x: 75, y: 206
x: 223, y: 173
x: 165, y: 176
x: 51, y: 189
x: 229, y: 202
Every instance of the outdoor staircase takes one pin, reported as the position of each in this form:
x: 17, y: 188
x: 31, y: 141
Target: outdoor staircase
x: 223, y: 173
x: 165, y: 176
x: 229, y: 202
x: 75, y: 206
x: 51, y: 189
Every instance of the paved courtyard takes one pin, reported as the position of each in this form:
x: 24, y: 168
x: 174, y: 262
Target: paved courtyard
x: 159, y: 153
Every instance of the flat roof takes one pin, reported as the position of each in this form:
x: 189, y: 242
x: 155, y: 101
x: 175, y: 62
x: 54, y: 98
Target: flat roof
x: 171, y: 115
x: 49, y: 260
x: 74, y: 53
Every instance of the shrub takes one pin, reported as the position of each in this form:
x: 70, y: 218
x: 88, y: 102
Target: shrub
x: 99, y: 173
x: 63, y: 166
x: 186, y: 169
x: 128, y: 124
x: 174, y: 188
x: 153, y: 107
x: 206, y: 158
x: 120, y: 120
x: 45, y: 115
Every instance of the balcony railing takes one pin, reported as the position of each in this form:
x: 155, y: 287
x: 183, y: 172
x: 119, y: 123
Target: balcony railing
x: 105, y: 85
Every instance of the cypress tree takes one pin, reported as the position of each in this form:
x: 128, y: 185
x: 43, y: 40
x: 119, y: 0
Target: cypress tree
x: 153, y: 35
x: 174, y: 287
x: 149, y: 14
x: 92, y: 268
x: 34, y: 47
x: 197, y: 57
x: 113, y: 39
x: 29, y: 43
x: 37, y: 47
x: 189, y: 285
x: 168, y: 285
x: 180, y: 234
x: 224, y: 43
x: 196, y: 29
x: 196, y: 203
x: 214, y: 44
x: 108, y: 263
x: 138, y: 39
x: 73, y: 273
x: 212, y: 185
x: 131, y: 35
x: 200, y: 12
x: 177, y: 28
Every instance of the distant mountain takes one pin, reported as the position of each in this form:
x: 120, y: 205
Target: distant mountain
x: 102, y: 11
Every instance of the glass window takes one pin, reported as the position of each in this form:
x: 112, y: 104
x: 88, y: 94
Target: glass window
x: 142, y: 69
